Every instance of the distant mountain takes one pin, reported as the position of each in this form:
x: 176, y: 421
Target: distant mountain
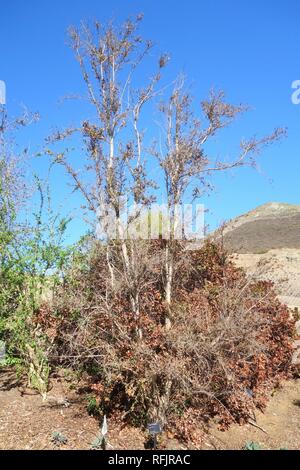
x: 270, y: 226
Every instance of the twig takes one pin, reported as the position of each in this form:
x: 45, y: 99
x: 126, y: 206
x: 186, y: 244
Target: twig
x: 256, y: 426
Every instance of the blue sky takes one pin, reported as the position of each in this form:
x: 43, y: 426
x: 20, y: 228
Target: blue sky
x: 248, y: 48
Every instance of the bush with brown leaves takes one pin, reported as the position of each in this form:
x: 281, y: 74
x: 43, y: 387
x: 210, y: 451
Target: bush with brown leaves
x: 229, y: 344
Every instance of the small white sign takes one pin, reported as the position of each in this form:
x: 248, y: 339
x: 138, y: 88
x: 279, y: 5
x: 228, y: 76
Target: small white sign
x: 104, y: 427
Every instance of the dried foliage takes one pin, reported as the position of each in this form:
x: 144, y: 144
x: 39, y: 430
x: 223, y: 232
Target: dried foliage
x: 230, y: 340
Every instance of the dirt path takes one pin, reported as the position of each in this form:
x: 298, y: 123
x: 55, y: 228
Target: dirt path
x: 28, y: 422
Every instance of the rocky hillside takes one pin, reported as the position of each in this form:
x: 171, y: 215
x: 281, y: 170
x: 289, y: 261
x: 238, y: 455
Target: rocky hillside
x: 268, y: 227
x: 281, y: 266
x: 266, y: 242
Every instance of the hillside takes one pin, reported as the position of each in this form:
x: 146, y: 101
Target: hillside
x: 266, y: 242
x: 268, y: 227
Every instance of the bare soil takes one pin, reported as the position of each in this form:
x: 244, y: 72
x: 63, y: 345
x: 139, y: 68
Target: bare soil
x: 28, y: 422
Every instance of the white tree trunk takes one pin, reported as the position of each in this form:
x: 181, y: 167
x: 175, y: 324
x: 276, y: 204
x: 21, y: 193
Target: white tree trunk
x: 168, y: 283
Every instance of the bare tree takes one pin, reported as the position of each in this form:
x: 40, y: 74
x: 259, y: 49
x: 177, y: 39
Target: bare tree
x: 185, y: 162
x: 115, y: 155
x: 115, y: 151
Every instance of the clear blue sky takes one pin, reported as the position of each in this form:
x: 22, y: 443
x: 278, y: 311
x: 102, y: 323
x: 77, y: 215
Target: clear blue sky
x: 248, y: 48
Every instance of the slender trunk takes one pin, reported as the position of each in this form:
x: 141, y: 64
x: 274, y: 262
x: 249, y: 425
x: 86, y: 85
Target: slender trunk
x: 168, y: 283
x: 110, y: 267
x: 161, y: 401
x: 129, y: 275
x: 169, y: 261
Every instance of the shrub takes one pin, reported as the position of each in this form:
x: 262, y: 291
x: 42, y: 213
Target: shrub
x: 230, y: 342
x: 32, y: 256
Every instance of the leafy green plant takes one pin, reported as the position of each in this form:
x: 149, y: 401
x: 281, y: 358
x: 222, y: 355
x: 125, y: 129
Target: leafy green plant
x: 32, y: 257
x: 92, y: 407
